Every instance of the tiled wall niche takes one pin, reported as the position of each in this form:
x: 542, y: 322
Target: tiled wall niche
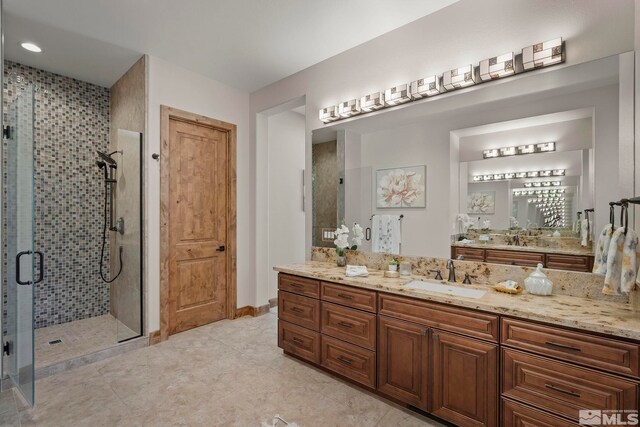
x: 71, y: 123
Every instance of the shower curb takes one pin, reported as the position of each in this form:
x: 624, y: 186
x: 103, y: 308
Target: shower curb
x: 87, y: 359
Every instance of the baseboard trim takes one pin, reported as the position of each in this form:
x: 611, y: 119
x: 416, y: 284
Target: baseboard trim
x: 154, y: 338
x: 252, y: 311
x: 273, y: 302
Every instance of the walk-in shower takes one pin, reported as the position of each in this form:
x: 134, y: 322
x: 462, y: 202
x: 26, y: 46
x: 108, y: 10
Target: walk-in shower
x: 73, y: 188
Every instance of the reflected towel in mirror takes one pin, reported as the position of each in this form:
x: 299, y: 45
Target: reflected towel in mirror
x: 357, y: 271
x: 386, y: 234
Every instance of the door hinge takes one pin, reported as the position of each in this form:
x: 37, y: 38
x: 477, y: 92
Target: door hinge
x: 6, y: 132
x: 6, y: 348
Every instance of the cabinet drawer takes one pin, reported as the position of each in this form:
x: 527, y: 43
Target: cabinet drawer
x: 299, y: 285
x: 349, y: 360
x: 518, y: 415
x: 582, y: 263
x: 468, y: 254
x: 299, y: 310
x: 299, y: 341
x: 497, y: 256
x: 561, y: 388
x: 465, y: 322
x: 602, y: 353
x: 354, y: 326
x: 349, y: 296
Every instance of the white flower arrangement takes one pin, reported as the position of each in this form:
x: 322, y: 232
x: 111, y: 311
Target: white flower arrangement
x: 342, y: 238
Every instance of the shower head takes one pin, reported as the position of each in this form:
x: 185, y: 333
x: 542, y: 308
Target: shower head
x: 107, y: 158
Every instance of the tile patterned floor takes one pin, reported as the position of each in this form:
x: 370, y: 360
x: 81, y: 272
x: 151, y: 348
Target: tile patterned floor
x: 230, y: 373
x: 79, y: 338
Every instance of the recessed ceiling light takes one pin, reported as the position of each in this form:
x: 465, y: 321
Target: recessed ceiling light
x: 31, y: 47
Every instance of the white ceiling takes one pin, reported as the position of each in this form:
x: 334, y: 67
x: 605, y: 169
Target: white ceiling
x: 247, y: 44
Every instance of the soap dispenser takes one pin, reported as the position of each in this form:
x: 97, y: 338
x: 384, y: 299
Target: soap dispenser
x: 537, y: 283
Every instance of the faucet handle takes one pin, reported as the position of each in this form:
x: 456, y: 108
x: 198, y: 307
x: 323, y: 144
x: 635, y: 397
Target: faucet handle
x: 468, y: 277
x: 438, y: 275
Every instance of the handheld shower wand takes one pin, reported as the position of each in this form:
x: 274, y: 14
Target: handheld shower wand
x: 110, y: 166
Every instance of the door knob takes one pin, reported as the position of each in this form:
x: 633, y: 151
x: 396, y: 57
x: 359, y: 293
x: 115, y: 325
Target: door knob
x: 220, y: 248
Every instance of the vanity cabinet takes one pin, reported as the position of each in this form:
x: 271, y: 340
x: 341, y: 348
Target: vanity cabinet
x: 403, y: 361
x: 523, y: 258
x: 465, y: 366
x: 465, y: 380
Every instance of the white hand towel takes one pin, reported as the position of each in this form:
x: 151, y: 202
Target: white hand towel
x: 357, y: 271
x: 577, y: 227
x: 602, y: 250
x: 622, y: 262
x: 386, y: 234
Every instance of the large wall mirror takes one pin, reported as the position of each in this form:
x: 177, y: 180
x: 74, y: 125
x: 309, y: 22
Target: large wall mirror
x: 499, y: 172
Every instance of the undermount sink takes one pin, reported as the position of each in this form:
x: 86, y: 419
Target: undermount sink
x: 443, y: 288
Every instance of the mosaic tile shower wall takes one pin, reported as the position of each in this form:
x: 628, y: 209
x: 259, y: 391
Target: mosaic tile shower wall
x: 71, y: 123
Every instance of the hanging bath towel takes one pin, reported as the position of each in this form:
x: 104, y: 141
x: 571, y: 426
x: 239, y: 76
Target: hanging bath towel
x: 622, y: 262
x: 602, y: 250
x: 386, y: 234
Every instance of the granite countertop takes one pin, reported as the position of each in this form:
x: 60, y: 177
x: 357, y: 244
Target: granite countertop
x: 543, y: 249
x: 611, y: 318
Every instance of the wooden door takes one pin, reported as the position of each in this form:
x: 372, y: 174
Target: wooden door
x: 198, y: 203
x: 403, y: 361
x: 465, y: 380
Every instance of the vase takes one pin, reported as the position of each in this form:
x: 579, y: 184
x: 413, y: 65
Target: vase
x: 342, y: 261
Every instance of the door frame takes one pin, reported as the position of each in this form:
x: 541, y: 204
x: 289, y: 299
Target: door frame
x: 166, y: 115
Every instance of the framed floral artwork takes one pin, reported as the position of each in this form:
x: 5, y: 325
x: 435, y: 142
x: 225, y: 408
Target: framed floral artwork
x: 481, y: 202
x: 403, y: 187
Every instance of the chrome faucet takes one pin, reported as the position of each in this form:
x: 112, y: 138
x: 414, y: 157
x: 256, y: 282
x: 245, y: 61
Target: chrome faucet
x: 452, y: 272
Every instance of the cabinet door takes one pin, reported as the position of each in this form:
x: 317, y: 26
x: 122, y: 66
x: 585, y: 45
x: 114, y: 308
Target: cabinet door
x: 403, y: 352
x: 465, y: 380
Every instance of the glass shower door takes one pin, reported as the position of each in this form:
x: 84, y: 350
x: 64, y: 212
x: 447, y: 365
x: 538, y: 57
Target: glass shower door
x: 19, y: 269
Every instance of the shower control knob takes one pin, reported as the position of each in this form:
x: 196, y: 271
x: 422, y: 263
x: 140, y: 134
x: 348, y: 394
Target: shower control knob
x: 220, y: 248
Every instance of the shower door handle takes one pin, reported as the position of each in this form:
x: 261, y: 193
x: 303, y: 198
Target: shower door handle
x: 40, y: 267
x: 18, y: 256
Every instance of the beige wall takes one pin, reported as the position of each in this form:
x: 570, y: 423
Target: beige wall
x: 128, y: 107
x: 176, y: 87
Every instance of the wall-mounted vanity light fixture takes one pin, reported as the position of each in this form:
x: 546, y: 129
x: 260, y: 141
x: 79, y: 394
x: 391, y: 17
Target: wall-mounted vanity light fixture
x: 497, y: 67
x: 459, y: 78
x: 429, y: 86
x: 349, y: 108
x: 329, y: 114
x: 397, y: 95
x: 543, y: 54
x: 505, y: 65
x: 373, y: 101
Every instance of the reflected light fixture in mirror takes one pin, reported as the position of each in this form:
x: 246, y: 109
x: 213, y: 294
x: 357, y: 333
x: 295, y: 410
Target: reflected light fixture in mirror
x: 329, y: 114
x: 545, y: 147
x: 425, y: 87
x: 397, y: 95
x: 459, y: 78
x: 373, y: 101
x: 349, y: 108
x: 543, y: 54
x: 497, y: 67
x: 518, y: 175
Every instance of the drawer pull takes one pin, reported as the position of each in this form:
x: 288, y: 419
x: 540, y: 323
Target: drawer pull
x: 298, y: 341
x: 295, y: 285
x: 345, y: 360
x: 296, y: 310
x: 570, y: 393
x: 566, y: 347
x: 345, y: 296
x: 345, y: 325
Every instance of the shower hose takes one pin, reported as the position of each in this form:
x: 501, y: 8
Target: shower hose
x: 104, y: 240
